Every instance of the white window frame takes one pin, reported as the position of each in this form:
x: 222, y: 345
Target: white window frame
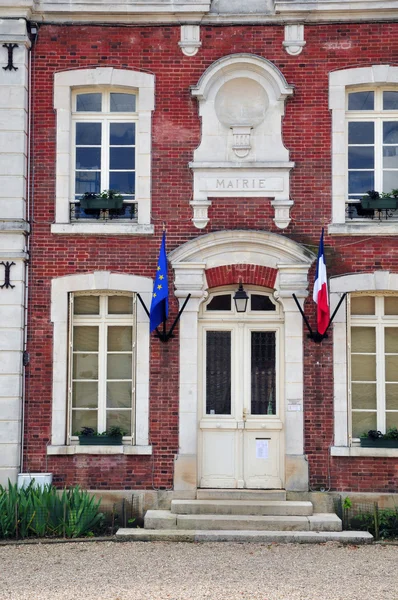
x: 378, y: 282
x: 102, y: 321
x: 100, y: 281
x: 105, y: 117
x: 67, y: 82
x: 340, y: 83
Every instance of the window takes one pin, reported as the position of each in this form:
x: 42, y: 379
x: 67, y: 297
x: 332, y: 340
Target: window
x: 372, y: 134
x: 373, y: 363
x: 102, y: 364
x: 364, y: 108
x: 104, y: 131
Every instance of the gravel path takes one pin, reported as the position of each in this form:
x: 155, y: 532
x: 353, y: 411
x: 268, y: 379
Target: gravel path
x: 181, y: 571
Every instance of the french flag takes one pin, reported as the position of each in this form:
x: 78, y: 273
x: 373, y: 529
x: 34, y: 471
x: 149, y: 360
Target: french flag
x: 320, y: 295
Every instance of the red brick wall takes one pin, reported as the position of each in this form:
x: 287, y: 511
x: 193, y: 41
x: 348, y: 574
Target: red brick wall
x: 176, y: 133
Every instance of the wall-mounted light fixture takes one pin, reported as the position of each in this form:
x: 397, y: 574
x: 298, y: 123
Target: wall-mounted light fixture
x: 241, y: 299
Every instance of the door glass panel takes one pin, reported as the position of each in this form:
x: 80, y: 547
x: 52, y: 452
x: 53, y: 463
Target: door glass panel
x: 361, y: 101
x: 222, y: 302
x: 83, y: 418
x: 391, y: 420
x: 218, y: 372
x: 85, y: 394
x: 363, y: 305
x: 362, y: 422
x: 392, y: 396
x: 363, y: 339
x: 119, y: 418
x: 364, y: 395
x: 89, y: 102
x: 120, y: 339
x: 118, y: 394
x: 391, y: 339
x: 363, y: 367
x: 263, y: 387
x: 392, y: 368
x: 391, y: 305
x: 259, y: 302
x: 85, y: 366
x: 119, y: 366
x: 86, y: 305
x: 120, y: 305
x: 85, y: 338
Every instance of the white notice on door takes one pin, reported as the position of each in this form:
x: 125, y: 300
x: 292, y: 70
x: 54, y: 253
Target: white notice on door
x: 261, y: 448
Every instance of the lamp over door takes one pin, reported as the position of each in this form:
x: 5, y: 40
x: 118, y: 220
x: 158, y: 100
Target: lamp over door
x: 241, y: 299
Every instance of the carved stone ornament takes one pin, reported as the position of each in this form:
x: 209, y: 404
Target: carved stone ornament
x: 190, y: 39
x: 294, y: 39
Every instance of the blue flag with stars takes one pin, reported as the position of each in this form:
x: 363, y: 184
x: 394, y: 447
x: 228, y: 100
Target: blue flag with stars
x: 160, y: 296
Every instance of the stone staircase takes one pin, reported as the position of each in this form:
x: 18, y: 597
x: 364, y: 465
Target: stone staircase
x: 242, y: 515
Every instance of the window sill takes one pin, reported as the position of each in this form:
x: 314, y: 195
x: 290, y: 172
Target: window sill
x: 105, y: 228
x: 373, y: 228
x: 105, y: 450
x: 355, y: 451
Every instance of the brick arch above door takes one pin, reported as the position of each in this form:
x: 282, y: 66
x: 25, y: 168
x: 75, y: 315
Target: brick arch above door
x: 245, y: 274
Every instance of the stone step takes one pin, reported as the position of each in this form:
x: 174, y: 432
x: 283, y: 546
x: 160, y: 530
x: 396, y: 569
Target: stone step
x: 267, y: 537
x: 165, y: 519
x: 240, y: 494
x: 241, y: 507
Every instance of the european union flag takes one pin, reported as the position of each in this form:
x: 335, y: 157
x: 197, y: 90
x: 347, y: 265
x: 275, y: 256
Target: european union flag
x: 160, y: 296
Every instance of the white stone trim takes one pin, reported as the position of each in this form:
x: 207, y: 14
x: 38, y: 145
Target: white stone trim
x: 189, y: 262
x: 294, y: 39
x: 190, y: 39
x: 99, y: 280
x: 378, y: 281
x: 245, y: 158
x: 102, y: 450
x: 364, y: 452
x: 338, y: 83
x: 64, y: 83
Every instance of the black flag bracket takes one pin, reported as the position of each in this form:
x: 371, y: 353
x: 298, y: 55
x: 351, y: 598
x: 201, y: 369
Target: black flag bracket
x: 315, y: 336
x: 164, y: 335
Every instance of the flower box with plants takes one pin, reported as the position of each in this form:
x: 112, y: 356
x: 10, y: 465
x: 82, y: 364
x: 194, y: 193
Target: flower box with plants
x: 376, y: 439
x: 111, y: 437
x: 106, y: 200
x: 376, y: 201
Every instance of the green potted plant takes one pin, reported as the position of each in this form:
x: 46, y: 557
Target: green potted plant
x: 376, y: 439
x: 374, y: 200
x: 106, y: 200
x: 111, y: 437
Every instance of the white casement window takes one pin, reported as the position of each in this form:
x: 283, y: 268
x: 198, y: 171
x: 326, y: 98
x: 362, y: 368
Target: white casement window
x: 373, y: 362
x: 102, y: 362
x: 372, y: 141
x: 364, y: 110
x: 104, y: 143
x: 104, y: 132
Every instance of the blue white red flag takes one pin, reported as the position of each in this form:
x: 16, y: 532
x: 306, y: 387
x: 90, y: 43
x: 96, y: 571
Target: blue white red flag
x: 160, y: 295
x: 320, y: 295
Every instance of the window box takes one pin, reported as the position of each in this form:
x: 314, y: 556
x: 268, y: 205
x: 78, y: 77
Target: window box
x: 100, y: 440
x: 378, y: 443
x: 383, y: 203
x: 104, y: 201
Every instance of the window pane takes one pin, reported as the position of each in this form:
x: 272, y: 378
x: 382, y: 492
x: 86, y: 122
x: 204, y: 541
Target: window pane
x: 88, y: 134
x: 361, y: 157
x: 88, y: 158
x: 263, y: 389
x: 359, y: 182
x: 363, y: 395
x: 363, y: 339
x: 218, y: 372
x: 122, y: 134
x: 391, y: 339
x: 118, y: 394
x: 392, y: 396
x: 363, y: 305
x: 122, y: 158
x: 362, y: 422
x: 120, y: 338
x: 122, y: 102
x: 361, y: 133
x: 89, y: 102
x: 390, y: 180
x: 85, y: 338
x: 120, y: 305
x: 391, y: 305
x: 123, y: 182
x: 119, y: 419
x: 363, y: 368
x: 390, y: 132
x: 119, y: 366
x: 361, y: 101
x: 390, y: 100
x: 87, y: 181
x: 391, y: 420
x: 85, y: 394
x: 86, y: 305
x: 391, y: 368
x: 220, y: 303
x: 262, y: 303
x: 390, y: 157
x: 85, y: 366
x: 83, y: 418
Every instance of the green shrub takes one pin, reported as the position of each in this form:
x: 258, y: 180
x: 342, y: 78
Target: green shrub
x: 41, y: 512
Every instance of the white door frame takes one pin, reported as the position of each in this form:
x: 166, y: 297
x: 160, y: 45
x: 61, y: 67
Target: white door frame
x: 190, y: 262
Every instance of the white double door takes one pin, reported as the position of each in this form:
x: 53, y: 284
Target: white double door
x: 241, y: 437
